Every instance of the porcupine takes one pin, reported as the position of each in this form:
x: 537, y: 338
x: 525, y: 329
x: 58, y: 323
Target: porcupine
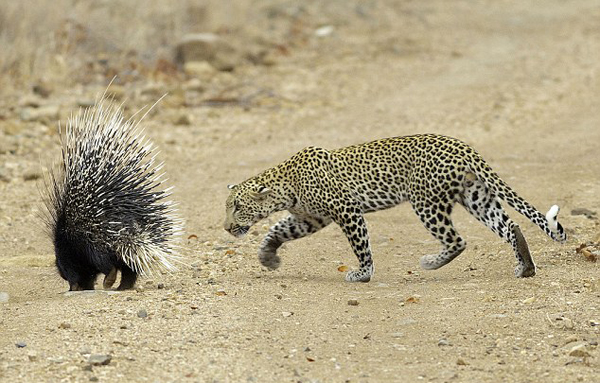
x: 107, y: 211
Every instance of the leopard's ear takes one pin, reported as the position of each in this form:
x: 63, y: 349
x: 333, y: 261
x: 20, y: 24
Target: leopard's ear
x: 231, y: 186
x: 261, y: 193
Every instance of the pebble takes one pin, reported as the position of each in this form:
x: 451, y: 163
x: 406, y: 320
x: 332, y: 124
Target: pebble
x: 20, y: 344
x: 142, y: 313
x: 529, y: 300
x: 287, y: 314
x: 324, y: 31
x: 201, y: 69
x: 568, y: 323
x: 85, y: 350
x: 64, y: 325
x: 48, y: 113
x: 208, y: 47
x: 99, y: 359
x: 579, y: 350
x: 583, y: 211
x: 352, y: 302
x: 3, y: 297
x: 444, y: 342
x: 461, y: 362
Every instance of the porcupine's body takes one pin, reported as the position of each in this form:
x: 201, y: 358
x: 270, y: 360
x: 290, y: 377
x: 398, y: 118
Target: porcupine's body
x: 106, y: 212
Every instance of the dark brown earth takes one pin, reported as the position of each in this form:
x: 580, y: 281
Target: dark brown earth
x: 518, y: 80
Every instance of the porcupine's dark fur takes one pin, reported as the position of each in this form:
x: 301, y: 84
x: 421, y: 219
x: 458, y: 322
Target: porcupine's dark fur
x: 106, y: 211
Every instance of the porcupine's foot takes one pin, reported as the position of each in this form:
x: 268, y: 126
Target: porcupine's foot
x: 109, y: 279
x: 128, y: 278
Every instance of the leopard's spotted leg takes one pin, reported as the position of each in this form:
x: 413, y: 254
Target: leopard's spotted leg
x: 479, y: 201
x: 289, y: 228
x: 436, y: 218
x: 354, y: 226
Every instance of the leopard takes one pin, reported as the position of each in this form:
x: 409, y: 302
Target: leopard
x: 433, y: 172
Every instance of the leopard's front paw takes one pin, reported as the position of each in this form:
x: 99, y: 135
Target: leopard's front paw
x: 524, y: 271
x: 362, y: 275
x: 269, y: 259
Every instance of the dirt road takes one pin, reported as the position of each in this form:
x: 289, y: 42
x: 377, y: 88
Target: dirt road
x: 519, y: 80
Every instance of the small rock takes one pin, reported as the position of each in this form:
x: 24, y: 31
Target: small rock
x: 324, y: 31
x: 585, y: 212
x: 352, y: 302
x: 160, y: 286
x: 182, y: 119
x: 568, y: 323
x: 208, y: 47
x: 195, y: 85
x: 93, y: 379
x: 30, y: 101
x: 579, y: 350
x: 200, y: 69
x: 21, y: 344
x: 42, y: 89
x: 31, y: 175
x: 529, y: 300
x: 142, y: 313
x: 570, y: 339
x: 32, y: 356
x: 64, y: 325
x: 85, y: 350
x: 87, y: 367
x: 3, y: 297
x: 461, y: 362
x: 444, y: 342
x: 287, y: 314
x: 99, y: 359
x: 47, y: 113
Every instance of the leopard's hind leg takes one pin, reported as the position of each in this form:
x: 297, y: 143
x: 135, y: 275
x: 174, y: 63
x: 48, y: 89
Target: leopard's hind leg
x: 436, y: 218
x: 481, y: 203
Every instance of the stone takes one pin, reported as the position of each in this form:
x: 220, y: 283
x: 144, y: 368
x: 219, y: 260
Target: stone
x: 579, y: 351
x: 200, y: 69
x: 208, y: 47
x: 324, y: 31
x: 21, y: 344
x: 142, y: 313
x: 352, y: 302
x: 4, y: 297
x: 585, y: 212
x: 47, y: 113
x: 99, y: 359
x: 32, y: 175
x: 444, y: 342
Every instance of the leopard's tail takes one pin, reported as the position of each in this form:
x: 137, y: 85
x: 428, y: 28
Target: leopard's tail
x: 548, y: 223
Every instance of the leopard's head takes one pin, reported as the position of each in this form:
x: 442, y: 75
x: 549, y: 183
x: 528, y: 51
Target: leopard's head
x: 248, y: 203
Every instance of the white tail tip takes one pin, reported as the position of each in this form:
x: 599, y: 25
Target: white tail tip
x: 551, y: 217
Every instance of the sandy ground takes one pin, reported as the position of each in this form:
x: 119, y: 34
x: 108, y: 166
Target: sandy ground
x: 516, y: 79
